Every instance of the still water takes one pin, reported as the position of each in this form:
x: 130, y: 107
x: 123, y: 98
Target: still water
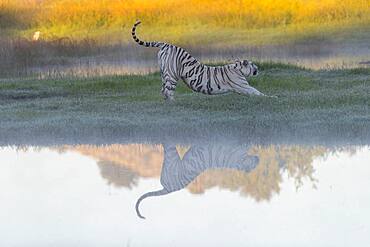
x: 206, y: 195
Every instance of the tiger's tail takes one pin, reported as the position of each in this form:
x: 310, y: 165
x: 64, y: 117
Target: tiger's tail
x: 144, y: 43
x: 152, y: 193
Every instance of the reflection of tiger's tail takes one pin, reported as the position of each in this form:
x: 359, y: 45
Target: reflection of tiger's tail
x: 152, y: 193
x: 144, y: 43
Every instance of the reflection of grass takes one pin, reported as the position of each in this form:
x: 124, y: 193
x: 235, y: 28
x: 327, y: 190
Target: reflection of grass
x: 316, y: 103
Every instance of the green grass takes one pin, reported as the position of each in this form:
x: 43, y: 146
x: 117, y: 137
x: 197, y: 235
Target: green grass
x: 324, y: 106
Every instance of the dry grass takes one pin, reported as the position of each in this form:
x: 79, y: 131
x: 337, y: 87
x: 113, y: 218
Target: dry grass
x: 92, y: 37
x: 64, y: 17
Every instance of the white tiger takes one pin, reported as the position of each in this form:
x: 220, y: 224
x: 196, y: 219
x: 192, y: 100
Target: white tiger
x: 176, y: 63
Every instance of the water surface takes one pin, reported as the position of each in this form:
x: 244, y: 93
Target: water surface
x: 216, y: 195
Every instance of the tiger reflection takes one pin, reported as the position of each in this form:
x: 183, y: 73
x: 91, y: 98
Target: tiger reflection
x: 177, y: 173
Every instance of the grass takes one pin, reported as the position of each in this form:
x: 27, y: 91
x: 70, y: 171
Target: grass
x: 313, y: 106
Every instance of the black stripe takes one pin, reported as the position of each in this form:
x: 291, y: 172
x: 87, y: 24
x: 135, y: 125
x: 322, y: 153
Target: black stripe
x: 226, y: 74
x: 183, y: 57
x: 192, y: 70
x: 193, y: 62
x: 223, y: 77
x: 215, y: 78
x: 199, y: 80
x: 197, y: 69
x: 191, y: 84
x: 201, y: 73
x: 209, y: 89
x: 179, y: 53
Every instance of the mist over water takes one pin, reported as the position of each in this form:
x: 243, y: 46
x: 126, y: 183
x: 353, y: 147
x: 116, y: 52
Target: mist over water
x: 66, y: 58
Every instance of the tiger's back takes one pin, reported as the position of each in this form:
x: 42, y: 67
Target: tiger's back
x: 177, y: 63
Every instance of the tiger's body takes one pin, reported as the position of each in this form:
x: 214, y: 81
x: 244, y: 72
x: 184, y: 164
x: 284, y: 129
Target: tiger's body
x: 176, y: 63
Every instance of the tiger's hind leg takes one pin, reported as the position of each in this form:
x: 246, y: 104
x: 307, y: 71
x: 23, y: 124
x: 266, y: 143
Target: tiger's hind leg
x: 168, y: 86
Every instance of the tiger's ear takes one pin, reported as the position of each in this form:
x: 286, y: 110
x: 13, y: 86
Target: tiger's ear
x: 238, y: 64
x: 245, y: 62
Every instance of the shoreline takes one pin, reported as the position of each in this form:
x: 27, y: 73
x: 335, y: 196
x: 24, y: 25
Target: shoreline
x: 314, y: 107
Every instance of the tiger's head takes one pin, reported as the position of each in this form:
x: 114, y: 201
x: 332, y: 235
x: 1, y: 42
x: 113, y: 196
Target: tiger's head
x: 247, y: 68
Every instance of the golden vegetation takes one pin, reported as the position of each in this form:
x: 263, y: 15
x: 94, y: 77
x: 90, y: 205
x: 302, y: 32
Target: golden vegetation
x: 63, y: 17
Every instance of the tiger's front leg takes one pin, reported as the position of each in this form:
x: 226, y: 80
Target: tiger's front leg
x: 248, y: 90
x: 168, y: 87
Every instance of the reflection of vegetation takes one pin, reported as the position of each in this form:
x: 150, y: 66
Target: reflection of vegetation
x: 265, y: 179
x: 261, y: 183
x: 143, y: 160
x: 298, y: 161
x: 117, y: 175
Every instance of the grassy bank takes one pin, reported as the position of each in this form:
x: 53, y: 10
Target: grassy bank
x: 322, y: 106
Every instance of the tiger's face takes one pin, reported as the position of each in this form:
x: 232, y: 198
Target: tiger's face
x: 247, y: 68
